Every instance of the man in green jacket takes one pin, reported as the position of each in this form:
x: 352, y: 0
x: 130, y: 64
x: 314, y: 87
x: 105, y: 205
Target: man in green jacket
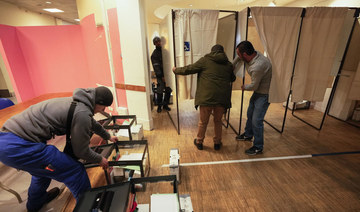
x: 213, y: 92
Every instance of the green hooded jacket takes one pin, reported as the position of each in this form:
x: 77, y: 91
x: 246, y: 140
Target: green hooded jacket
x: 215, y: 74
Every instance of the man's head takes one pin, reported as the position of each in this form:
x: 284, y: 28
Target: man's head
x: 157, y: 41
x: 245, y: 51
x: 217, y: 48
x: 103, y: 98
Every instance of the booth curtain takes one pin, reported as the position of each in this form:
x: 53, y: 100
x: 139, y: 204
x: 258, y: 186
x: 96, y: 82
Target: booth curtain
x: 239, y: 68
x: 278, y: 28
x: 354, y: 93
x: 195, y: 34
x: 318, y: 45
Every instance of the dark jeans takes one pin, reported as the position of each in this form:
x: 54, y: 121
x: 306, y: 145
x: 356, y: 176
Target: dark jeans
x: 255, y: 118
x: 160, y: 90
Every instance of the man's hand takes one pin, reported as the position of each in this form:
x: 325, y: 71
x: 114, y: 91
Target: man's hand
x: 173, y: 69
x: 104, y: 163
x: 113, y: 139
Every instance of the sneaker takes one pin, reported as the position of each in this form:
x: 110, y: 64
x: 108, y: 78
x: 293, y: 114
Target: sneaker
x: 166, y: 108
x: 217, y: 146
x: 243, y: 137
x: 198, y: 145
x: 253, y: 151
x: 159, y: 109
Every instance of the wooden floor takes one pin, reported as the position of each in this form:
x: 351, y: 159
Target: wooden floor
x: 323, y: 183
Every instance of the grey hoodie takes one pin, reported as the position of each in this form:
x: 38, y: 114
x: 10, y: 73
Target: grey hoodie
x: 42, y: 121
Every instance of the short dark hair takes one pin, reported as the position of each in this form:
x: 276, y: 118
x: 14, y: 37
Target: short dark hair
x: 217, y: 48
x: 156, y: 39
x: 246, y: 46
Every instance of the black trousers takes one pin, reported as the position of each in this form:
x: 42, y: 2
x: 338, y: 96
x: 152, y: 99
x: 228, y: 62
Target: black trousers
x: 160, y: 91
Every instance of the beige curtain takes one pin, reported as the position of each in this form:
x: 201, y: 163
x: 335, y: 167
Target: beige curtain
x: 278, y: 28
x: 318, y: 45
x: 354, y: 93
x: 240, y: 36
x: 195, y: 34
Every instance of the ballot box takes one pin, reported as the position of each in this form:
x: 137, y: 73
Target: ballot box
x: 121, y: 196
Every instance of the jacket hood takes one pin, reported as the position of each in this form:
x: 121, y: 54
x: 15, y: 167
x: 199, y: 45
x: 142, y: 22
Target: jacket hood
x: 86, y: 96
x: 218, y: 57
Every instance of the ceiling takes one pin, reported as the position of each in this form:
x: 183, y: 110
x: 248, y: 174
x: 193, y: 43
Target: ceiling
x: 68, y: 6
x: 162, y: 7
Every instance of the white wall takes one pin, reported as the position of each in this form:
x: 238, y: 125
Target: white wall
x: 152, y: 31
x: 87, y: 7
x: 5, y: 82
x: 166, y: 32
x: 132, y: 29
x: 2, y: 81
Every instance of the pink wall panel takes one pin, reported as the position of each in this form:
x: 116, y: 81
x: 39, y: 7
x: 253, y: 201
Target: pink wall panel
x: 55, y: 58
x: 96, y: 51
x: 97, y: 56
x: 50, y: 59
x: 116, y: 51
x: 15, y: 63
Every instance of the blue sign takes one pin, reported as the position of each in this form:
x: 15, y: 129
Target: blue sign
x: 187, y: 46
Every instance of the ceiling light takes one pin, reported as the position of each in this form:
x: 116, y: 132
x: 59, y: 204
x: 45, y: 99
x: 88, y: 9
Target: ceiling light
x: 190, y: 5
x: 48, y: 2
x: 53, y: 10
x: 76, y: 19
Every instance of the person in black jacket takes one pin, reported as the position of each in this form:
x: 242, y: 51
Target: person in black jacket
x: 156, y: 60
